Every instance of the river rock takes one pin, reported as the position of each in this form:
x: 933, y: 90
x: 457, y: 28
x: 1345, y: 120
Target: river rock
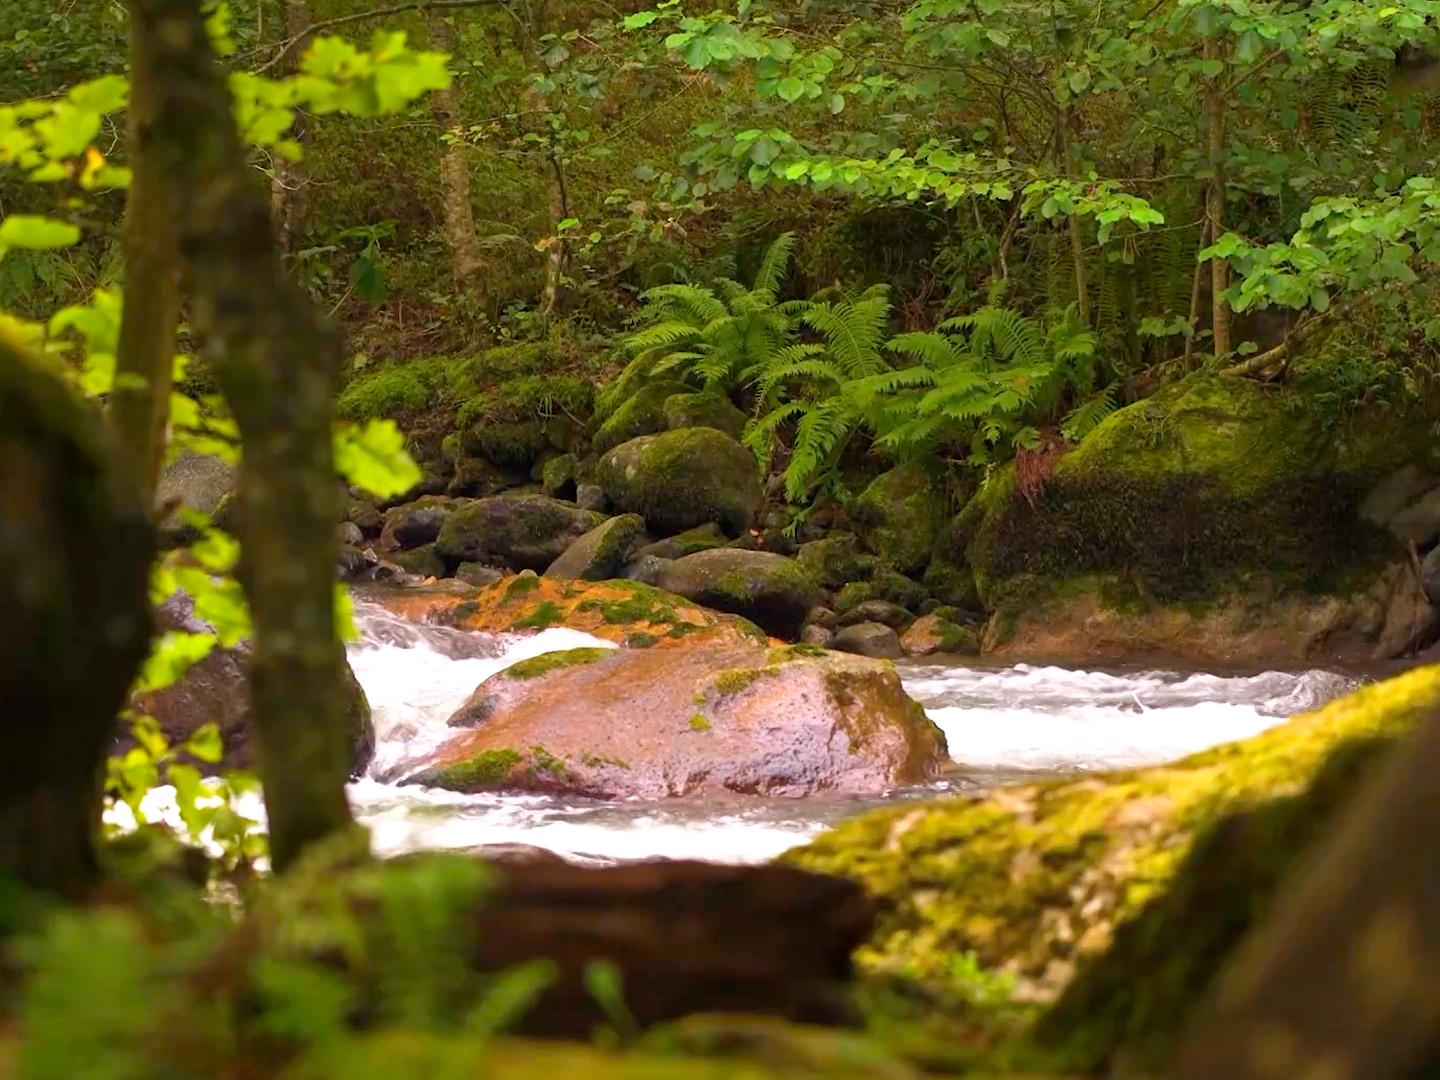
x: 347, y: 532
x: 701, y: 538
x: 423, y: 561
x: 680, y: 479
x: 900, y: 515
x: 625, y: 612
x: 602, y: 552
x: 195, y: 482
x: 703, y: 410
x: 878, y: 611
x: 523, y: 532
x: 770, y: 590
x: 414, y: 524
x: 815, y: 634
x: 708, y: 715
x: 642, y: 413
x: 868, y: 639
x: 885, y: 584
x: 933, y: 633
x: 217, y: 689
x: 590, y: 497
x: 646, y: 569
x: 474, y: 573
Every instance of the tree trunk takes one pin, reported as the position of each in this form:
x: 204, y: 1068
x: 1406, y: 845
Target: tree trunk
x: 76, y: 545
x: 467, y: 264
x: 139, y: 409
x: 276, y: 360
x: 290, y: 179
x: 558, y: 257
x: 1343, y: 978
x: 1215, y: 196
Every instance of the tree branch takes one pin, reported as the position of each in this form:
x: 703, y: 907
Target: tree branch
x: 287, y: 46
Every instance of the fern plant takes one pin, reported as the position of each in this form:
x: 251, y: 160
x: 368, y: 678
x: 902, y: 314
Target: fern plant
x: 805, y: 385
x: 718, y: 337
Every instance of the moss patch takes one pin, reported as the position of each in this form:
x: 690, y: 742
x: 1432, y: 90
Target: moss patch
x: 699, y: 723
x: 546, y: 614
x: 484, y: 769
x: 537, y: 666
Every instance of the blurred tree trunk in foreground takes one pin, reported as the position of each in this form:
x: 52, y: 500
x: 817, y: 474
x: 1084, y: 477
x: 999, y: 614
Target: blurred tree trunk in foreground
x: 1342, y: 981
x: 76, y: 545
x: 276, y: 361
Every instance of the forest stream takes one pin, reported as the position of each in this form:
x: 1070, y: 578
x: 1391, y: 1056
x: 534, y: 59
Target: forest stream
x: 1000, y: 722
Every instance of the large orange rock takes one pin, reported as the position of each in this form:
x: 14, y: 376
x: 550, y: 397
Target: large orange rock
x: 625, y: 612
x: 718, y: 714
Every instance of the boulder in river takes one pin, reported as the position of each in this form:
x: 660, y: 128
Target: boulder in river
x: 1114, y: 900
x: 625, y: 612
x: 523, y: 532
x: 217, y: 689
x: 414, y: 524
x: 708, y: 715
x: 868, y: 639
x: 771, y: 590
x: 680, y: 479
x: 602, y: 552
x: 900, y: 515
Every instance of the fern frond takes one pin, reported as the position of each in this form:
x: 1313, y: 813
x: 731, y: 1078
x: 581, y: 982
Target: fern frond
x: 660, y: 336
x: 1089, y: 415
x: 693, y: 302
x: 934, y: 350
x: 773, y: 267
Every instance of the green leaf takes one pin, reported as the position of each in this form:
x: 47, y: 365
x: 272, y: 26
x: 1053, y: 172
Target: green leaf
x: 639, y: 20
x: 36, y: 233
x: 205, y: 744
x: 373, y: 457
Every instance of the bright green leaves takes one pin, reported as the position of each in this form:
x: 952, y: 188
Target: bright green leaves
x: 373, y: 456
x: 54, y: 141
x: 34, y: 233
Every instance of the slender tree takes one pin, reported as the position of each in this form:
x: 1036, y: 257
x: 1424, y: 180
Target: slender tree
x: 276, y: 360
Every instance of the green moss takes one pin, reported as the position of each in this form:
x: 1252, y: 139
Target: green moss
x: 596, y: 761
x: 680, y: 479
x: 543, y: 761
x: 1104, y: 871
x: 522, y: 586
x: 900, y: 516
x: 643, y: 413
x: 785, y: 653
x: 699, y: 723
x: 545, y: 615
x: 484, y: 769
x: 398, y: 392
x: 640, y: 639
x: 835, y: 561
x: 738, y: 680
x: 643, y: 604
x: 537, y: 666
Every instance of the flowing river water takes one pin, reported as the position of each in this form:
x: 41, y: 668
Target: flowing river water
x: 1001, y: 723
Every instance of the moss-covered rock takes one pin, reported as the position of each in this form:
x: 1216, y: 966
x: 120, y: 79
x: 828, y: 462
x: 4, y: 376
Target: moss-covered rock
x: 397, y: 392
x: 934, y: 633
x: 558, y: 476
x: 836, y: 560
x: 1215, y: 507
x: 899, y: 517
x: 1107, y: 876
x: 413, y: 524
x: 602, y: 552
x: 701, y: 538
x: 889, y: 585
x: 703, y: 410
x: 770, y: 590
x: 643, y: 413
x: 714, y: 713
x: 423, y: 561
x: 680, y: 479
x: 518, y: 531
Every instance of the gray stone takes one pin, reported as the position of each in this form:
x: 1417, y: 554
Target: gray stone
x: 603, y: 552
x: 1419, y: 521
x: 474, y: 573
x: 590, y: 497
x: 347, y: 532
x: 869, y: 639
x: 770, y: 590
x: 646, y: 569
x: 814, y: 634
x: 878, y: 611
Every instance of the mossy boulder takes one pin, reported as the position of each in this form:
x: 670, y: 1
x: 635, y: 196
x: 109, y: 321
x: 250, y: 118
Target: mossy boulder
x: 624, y: 612
x: 1218, y: 520
x: 642, y: 413
x: 509, y: 445
x: 1120, y: 896
x: 703, y: 410
x: 770, y: 590
x: 413, y: 524
x: 708, y: 715
x: 423, y: 561
x: 559, y: 475
x: 399, y: 392
x: 602, y: 552
x: 523, y: 532
x: 900, y: 515
x: 934, y: 633
x: 680, y: 479
x: 701, y: 538
x: 889, y: 585
x: 836, y: 560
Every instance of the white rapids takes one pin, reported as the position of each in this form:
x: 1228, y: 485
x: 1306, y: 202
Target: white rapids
x: 999, y: 722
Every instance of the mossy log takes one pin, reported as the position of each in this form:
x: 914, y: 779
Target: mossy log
x: 76, y: 546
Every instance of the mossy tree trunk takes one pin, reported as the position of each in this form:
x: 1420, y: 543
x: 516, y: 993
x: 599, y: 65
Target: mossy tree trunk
x: 289, y: 179
x: 467, y: 263
x: 1343, y: 979
x: 1215, y: 94
x: 139, y: 408
x: 76, y: 545
x: 276, y: 360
